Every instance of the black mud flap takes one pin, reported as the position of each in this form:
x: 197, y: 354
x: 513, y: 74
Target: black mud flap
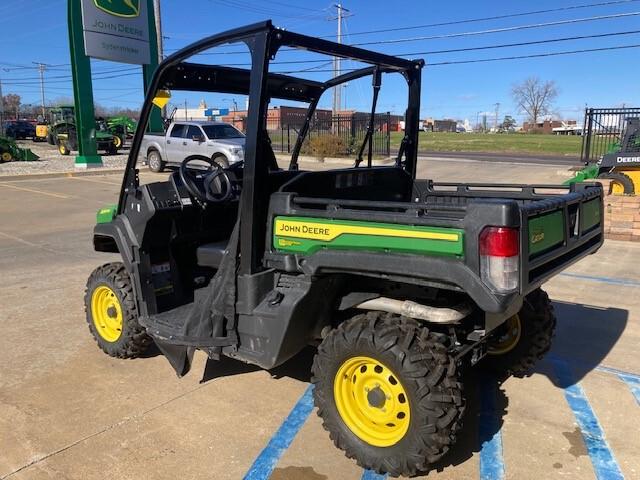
x: 208, y: 323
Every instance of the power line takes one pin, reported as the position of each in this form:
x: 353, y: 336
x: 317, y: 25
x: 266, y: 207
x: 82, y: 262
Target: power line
x: 514, y: 57
x: 500, y: 30
x: 536, y: 55
x: 466, y: 49
x: 498, y: 17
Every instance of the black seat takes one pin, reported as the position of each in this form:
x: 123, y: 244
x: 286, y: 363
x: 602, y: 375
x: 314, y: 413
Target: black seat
x: 211, y: 254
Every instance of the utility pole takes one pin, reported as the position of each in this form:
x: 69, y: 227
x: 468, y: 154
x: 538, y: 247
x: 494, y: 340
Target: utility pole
x: 41, y: 68
x: 337, y: 103
x: 497, y: 111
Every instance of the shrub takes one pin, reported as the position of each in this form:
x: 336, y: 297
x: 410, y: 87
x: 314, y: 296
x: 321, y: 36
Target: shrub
x: 322, y: 146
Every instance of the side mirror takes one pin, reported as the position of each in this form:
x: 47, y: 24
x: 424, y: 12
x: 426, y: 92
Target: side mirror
x: 198, y: 138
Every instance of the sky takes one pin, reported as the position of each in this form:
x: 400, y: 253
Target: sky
x: 36, y: 31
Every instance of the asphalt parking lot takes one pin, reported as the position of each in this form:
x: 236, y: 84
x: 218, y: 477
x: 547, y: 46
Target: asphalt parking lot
x: 67, y: 411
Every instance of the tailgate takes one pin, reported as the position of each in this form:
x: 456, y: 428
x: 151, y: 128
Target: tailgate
x: 560, y: 230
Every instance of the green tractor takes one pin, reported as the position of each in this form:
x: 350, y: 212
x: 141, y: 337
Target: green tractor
x: 62, y: 132
x: 9, y: 151
x: 122, y: 128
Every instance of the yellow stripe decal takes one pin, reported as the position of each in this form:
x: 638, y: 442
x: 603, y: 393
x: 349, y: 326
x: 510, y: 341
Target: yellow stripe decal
x: 327, y: 231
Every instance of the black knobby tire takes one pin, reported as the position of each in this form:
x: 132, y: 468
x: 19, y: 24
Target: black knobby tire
x: 155, y: 162
x: 620, y: 178
x: 537, y: 329
x: 427, y: 373
x: 133, y: 340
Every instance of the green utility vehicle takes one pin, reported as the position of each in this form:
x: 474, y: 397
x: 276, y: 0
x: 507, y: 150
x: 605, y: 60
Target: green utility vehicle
x: 62, y: 132
x: 401, y: 283
x: 122, y: 128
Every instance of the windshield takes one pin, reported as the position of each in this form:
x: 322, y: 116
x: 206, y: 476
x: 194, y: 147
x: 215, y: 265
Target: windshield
x: 215, y: 132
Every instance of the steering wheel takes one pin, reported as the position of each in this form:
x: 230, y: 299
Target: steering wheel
x: 216, y: 185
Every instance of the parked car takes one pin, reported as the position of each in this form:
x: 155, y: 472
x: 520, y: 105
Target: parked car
x: 221, y: 142
x: 19, y: 129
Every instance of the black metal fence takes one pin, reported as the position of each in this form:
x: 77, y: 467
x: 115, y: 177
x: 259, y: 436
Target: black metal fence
x: 340, y: 135
x: 603, y: 130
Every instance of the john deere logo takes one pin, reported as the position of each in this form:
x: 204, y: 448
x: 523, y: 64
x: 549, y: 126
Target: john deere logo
x: 537, y: 237
x: 119, y: 8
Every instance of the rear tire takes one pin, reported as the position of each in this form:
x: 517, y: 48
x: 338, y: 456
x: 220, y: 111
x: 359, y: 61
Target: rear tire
x: 112, y: 314
x: 404, y: 355
x: 156, y: 164
x: 522, y: 342
x: 621, y: 183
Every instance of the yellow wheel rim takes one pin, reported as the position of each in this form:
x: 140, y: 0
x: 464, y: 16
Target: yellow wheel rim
x: 509, y: 340
x: 6, y: 156
x: 371, y: 401
x: 106, y: 313
x: 617, y: 188
x: 62, y: 149
x: 117, y: 142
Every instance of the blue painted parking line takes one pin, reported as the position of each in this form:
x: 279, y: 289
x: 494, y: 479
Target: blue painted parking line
x: 371, y: 475
x: 615, y: 371
x: 491, y: 461
x: 265, y: 463
x: 602, y: 459
x: 633, y: 383
x: 610, y: 280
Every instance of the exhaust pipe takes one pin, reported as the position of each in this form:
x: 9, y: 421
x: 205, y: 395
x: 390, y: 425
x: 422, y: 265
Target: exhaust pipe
x: 418, y: 311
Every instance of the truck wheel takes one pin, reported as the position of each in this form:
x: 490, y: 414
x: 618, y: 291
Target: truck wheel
x: 524, y: 338
x: 112, y: 314
x: 620, y: 183
x: 221, y: 160
x: 155, y: 161
x: 388, y: 393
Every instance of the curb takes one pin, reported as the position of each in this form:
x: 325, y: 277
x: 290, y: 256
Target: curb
x: 42, y: 176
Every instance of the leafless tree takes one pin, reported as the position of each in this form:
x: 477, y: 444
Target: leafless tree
x: 12, y: 104
x: 534, y: 97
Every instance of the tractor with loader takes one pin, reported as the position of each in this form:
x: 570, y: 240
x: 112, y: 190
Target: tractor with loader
x: 61, y: 131
x: 620, y: 164
x: 401, y: 283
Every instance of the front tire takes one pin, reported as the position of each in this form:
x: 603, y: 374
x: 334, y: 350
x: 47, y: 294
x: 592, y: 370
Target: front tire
x: 620, y: 183
x: 388, y: 393
x: 155, y: 161
x: 112, y: 314
x: 523, y: 339
x: 63, y: 149
x: 221, y: 160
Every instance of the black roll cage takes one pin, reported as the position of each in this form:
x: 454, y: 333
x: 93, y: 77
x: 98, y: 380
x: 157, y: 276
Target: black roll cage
x: 263, y: 41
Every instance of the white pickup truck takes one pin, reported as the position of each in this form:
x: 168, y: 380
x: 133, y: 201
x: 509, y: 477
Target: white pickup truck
x: 221, y: 142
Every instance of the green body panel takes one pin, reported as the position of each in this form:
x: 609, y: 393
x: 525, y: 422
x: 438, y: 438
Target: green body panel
x: 20, y: 154
x: 545, y: 232
x: 590, y: 214
x: 106, y: 214
x: 377, y: 242
x: 587, y: 173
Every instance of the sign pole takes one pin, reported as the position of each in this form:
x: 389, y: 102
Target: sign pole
x: 155, y: 120
x: 82, y: 91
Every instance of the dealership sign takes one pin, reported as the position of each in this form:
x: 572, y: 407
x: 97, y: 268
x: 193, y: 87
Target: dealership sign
x: 116, y: 30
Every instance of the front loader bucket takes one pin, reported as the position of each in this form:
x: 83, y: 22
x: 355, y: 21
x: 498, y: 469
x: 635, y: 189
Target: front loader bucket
x: 26, y: 155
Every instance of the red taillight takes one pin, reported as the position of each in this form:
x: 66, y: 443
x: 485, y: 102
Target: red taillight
x: 499, y: 258
x: 499, y: 242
